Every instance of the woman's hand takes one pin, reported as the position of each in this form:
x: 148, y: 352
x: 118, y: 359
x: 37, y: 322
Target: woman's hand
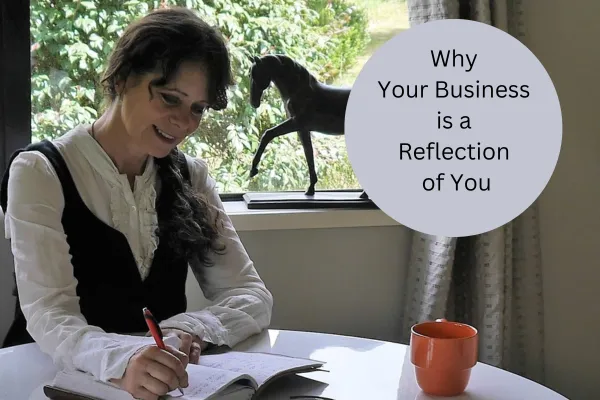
x: 153, y: 372
x: 191, y: 345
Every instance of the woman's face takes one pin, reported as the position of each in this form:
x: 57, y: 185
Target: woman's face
x: 157, y: 121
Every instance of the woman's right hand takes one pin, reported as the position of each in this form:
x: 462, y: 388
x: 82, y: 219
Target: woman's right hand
x: 153, y: 372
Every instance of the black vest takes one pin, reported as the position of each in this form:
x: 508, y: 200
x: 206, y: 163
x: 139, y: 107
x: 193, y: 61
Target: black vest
x: 110, y: 289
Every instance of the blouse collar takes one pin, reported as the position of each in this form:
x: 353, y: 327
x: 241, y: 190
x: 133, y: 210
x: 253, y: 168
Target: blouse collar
x: 100, y: 160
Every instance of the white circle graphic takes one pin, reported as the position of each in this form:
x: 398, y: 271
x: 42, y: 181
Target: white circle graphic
x: 453, y: 128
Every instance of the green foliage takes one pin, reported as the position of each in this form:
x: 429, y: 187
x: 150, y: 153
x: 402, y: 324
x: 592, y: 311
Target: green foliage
x: 346, y: 26
x: 74, y: 40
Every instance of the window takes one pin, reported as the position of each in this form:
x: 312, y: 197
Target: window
x: 70, y: 41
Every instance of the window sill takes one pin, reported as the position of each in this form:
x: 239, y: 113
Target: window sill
x: 282, y: 219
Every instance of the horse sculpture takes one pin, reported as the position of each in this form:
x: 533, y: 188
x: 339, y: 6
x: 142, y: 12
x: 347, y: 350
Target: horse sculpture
x: 309, y: 104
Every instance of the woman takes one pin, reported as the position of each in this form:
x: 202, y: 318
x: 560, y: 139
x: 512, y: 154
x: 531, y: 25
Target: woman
x: 106, y: 219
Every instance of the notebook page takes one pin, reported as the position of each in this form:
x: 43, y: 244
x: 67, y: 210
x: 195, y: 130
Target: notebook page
x: 261, y: 366
x: 86, y: 384
x: 235, y: 392
x: 204, y: 382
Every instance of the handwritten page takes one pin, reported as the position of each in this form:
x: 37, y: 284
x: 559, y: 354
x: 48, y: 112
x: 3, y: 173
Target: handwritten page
x: 260, y: 366
x: 204, y: 382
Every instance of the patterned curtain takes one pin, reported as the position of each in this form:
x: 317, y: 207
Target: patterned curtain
x: 492, y: 281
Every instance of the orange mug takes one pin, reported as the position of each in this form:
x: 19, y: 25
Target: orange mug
x: 443, y: 354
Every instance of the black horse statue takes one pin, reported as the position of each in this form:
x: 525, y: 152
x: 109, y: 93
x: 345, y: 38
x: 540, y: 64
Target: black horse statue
x: 309, y: 104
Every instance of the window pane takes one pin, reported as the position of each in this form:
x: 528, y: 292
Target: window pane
x: 331, y: 38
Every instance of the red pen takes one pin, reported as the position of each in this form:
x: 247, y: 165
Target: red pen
x: 155, y: 331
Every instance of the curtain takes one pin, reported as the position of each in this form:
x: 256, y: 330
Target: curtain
x: 492, y: 281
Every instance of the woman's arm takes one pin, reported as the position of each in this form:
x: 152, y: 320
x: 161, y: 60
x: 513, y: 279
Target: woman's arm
x: 241, y: 304
x: 45, y: 279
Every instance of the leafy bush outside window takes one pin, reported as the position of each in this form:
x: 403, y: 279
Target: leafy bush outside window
x: 72, y: 41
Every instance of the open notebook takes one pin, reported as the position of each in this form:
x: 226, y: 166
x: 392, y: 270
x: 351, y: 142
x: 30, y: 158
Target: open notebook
x: 232, y: 375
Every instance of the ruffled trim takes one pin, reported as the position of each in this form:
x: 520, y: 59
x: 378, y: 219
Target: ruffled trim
x: 144, y: 203
x: 149, y: 228
x: 120, y: 215
x: 148, y: 224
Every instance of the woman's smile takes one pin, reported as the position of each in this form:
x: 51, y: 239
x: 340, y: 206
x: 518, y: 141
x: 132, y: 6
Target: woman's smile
x: 164, y: 136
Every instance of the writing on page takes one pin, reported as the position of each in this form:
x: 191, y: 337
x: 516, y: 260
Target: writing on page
x: 205, y: 381
x: 260, y: 366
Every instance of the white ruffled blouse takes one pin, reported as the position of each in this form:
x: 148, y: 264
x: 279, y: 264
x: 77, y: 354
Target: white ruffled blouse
x: 241, y: 304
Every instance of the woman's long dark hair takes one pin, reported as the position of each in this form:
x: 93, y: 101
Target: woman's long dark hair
x: 162, y: 40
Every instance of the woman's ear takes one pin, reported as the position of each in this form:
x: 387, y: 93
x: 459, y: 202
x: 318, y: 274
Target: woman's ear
x: 119, y: 88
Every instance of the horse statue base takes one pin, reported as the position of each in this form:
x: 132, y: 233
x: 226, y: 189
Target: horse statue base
x: 299, y: 200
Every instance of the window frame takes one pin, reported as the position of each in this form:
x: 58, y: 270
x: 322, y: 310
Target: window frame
x: 15, y: 88
x: 15, y: 78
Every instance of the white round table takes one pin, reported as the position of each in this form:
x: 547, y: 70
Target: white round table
x: 358, y: 368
